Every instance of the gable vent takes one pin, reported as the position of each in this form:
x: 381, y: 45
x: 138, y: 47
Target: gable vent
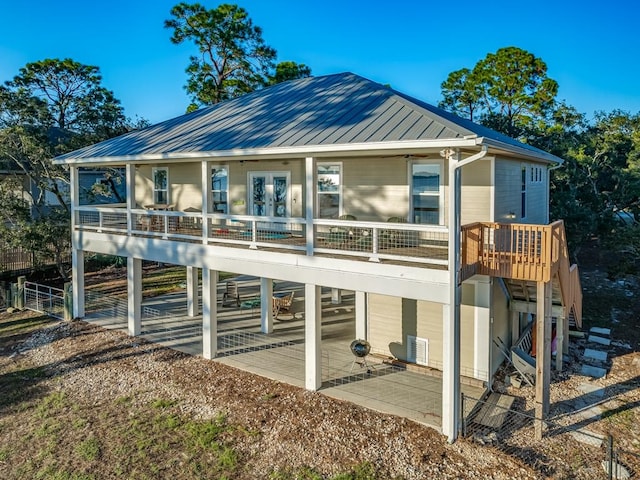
x: 417, y: 350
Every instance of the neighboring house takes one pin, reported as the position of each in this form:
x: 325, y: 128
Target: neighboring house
x: 439, y: 225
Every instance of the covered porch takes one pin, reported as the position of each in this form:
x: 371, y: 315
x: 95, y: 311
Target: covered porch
x: 407, y: 391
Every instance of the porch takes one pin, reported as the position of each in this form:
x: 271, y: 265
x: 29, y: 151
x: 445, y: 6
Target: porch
x: 393, y: 240
x: 413, y: 393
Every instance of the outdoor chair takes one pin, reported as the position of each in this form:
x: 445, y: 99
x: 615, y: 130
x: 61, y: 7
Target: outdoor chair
x: 281, y: 303
x: 231, y: 294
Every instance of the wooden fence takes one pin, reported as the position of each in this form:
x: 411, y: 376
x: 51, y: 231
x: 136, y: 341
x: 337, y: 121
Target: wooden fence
x: 16, y: 260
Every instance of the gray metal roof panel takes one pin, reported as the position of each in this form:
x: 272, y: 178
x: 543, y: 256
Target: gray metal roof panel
x: 334, y: 109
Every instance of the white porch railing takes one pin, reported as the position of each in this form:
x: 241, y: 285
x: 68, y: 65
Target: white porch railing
x: 373, y: 241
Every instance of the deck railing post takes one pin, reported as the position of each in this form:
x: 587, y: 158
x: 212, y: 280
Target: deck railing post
x: 67, y: 301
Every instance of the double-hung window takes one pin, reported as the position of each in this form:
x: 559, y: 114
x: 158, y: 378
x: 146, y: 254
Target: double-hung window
x: 161, y: 185
x: 426, y: 193
x: 329, y: 190
x: 220, y: 189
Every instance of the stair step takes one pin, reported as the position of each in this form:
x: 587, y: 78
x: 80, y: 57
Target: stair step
x: 600, y: 340
x: 600, y: 331
x: 591, y: 371
x: 595, y: 354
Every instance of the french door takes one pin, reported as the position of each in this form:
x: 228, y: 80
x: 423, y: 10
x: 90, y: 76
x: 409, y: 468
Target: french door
x: 269, y: 194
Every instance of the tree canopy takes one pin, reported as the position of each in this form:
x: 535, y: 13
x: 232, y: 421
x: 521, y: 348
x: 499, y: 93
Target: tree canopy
x: 508, y: 90
x: 51, y: 107
x: 233, y: 58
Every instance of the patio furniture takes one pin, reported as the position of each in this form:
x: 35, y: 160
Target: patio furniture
x: 231, y: 294
x: 281, y: 302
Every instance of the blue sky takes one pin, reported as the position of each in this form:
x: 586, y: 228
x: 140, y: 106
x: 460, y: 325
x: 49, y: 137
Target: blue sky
x: 591, y: 48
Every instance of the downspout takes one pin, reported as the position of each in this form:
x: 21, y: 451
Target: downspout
x: 451, y: 364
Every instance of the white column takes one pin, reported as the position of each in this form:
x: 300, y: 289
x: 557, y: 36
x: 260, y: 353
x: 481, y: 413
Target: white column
x: 336, y: 296
x: 134, y: 295
x: 77, y: 278
x: 209, y: 313
x: 130, y: 179
x: 482, y: 328
x: 309, y: 196
x: 192, y: 291
x: 266, y: 312
x: 451, y: 317
x: 361, y: 315
x: 312, y: 337
x: 206, y: 199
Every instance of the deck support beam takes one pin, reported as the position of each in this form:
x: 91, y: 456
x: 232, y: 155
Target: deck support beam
x: 192, y: 292
x: 209, y: 313
x: 312, y: 337
x: 560, y: 341
x: 134, y: 296
x: 266, y: 300
x: 543, y: 355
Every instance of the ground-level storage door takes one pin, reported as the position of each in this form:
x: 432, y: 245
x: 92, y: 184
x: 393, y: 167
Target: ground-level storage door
x: 417, y: 350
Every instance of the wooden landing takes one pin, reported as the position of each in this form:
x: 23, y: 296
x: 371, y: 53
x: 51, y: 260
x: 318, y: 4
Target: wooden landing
x: 494, y: 412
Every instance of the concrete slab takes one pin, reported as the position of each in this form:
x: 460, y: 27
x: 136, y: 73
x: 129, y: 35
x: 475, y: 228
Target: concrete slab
x: 593, y: 391
x: 595, y: 355
x: 591, y: 371
x: 587, y: 437
x: 599, y: 340
x: 600, y: 331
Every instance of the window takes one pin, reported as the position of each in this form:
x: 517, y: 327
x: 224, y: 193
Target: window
x: 220, y: 189
x: 426, y: 193
x: 161, y: 185
x: 329, y: 190
x: 523, y: 193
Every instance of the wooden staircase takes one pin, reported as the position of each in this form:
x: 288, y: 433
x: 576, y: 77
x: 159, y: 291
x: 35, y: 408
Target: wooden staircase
x: 523, y: 255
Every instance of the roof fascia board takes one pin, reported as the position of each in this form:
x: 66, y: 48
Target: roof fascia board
x: 285, y: 152
x: 522, y: 152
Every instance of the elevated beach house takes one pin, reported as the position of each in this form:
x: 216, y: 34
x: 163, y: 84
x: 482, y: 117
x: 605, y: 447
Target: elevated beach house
x: 439, y: 225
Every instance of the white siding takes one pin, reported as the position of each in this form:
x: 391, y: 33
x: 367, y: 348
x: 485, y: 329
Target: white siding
x: 508, y: 189
x: 476, y: 194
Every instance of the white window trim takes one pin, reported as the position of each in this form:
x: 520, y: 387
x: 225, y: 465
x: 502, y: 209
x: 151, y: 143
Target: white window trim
x: 440, y: 188
x: 153, y: 180
x: 339, y: 192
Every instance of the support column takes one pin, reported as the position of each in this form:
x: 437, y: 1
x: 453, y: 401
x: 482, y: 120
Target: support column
x: 543, y: 355
x: 451, y: 312
x: 130, y: 179
x: 192, y: 291
x: 206, y: 199
x: 312, y: 337
x: 77, y: 279
x: 483, y: 330
x: 336, y: 296
x: 209, y: 313
x: 309, y: 197
x: 266, y: 300
x: 361, y: 315
x: 134, y: 295
x: 560, y: 341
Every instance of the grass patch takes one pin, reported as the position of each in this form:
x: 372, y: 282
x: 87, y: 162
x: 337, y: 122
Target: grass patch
x: 89, y: 449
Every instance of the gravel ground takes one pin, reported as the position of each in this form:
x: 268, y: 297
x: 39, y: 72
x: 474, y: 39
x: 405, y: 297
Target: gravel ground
x: 295, y: 428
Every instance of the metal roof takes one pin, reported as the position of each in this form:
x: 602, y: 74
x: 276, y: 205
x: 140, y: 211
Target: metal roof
x: 340, y: 109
